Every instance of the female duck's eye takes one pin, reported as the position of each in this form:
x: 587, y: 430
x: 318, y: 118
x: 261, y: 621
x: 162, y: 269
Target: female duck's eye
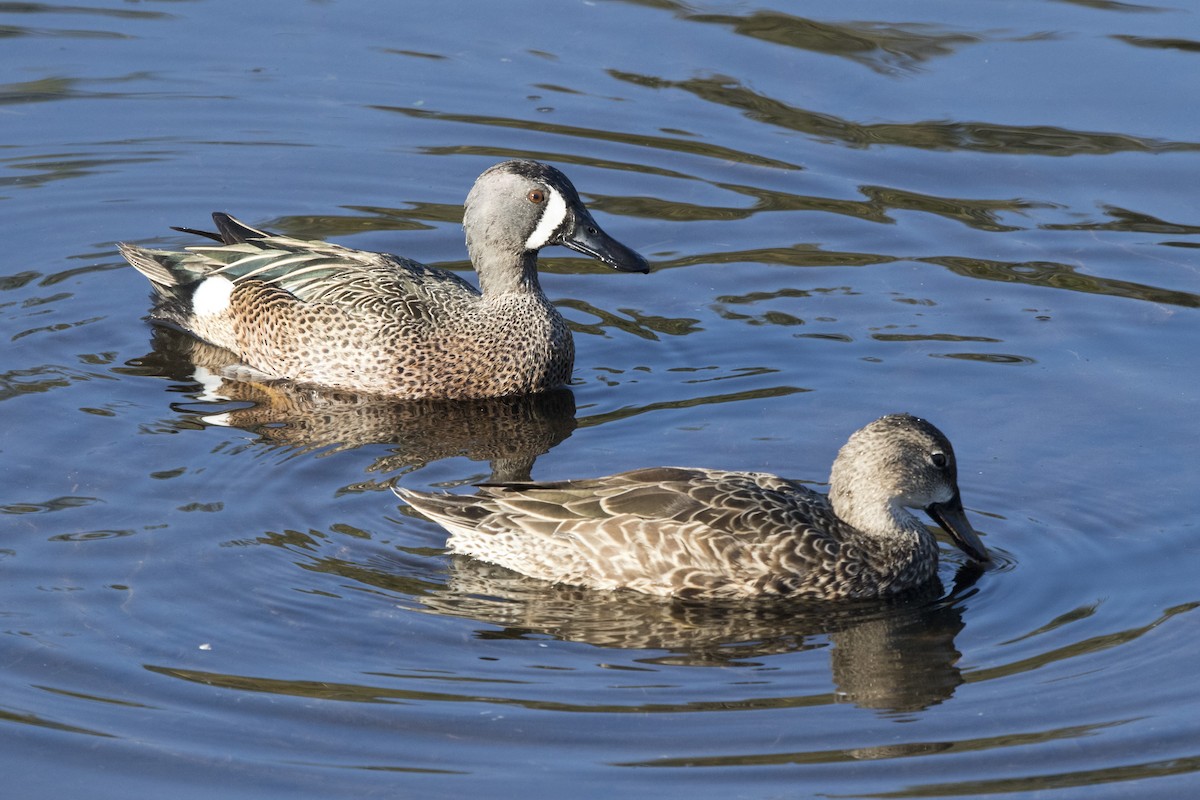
x: 536, y: 196
x: 938, y: 459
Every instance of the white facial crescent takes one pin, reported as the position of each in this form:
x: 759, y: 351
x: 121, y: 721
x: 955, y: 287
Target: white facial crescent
x: 553, y: 216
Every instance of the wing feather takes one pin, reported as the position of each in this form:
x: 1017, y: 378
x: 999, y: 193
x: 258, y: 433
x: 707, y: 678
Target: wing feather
x: 311, y: 271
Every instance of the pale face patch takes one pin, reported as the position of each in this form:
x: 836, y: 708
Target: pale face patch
x: 212, y: 296
x: 553, y: 216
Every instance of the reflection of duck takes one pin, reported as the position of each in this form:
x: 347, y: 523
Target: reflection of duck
x: 896, y: 655
x: 905, y: 648
x: 330, y: 316
x: 693, y: 532
x: 510, y: 432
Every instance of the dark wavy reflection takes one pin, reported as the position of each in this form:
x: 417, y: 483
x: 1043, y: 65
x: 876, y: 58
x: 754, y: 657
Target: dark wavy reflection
x: 14, y: 32
x: 980, y: 214
x: 1116, y: 5
x: 554, y: 157
x: 628, y: 412
x: 16, y: 383
x: 988, y: 358
x: 681, y: 145
x: 57, y: 88
x: 983, y: 215
x: 370, y: 219
x: 1049, y: 274
x: 882, y: 752
x: 472, y: 693
x: 894, y: 656
x: 931, y: 337
x: 1082, y: 647
x: 29, y: 172
x: 38, y: 721
x: 882, y: 47
x: 637, y: 323
x: 1127, y: 221
x: 1186, y: 45
x: 1061, y: 276
x: 1050, y: 780
x: 54, y: 504
x: 1048, y: 140
x: 80, y: 11
x: 510, y: 433
x: 797, y: 255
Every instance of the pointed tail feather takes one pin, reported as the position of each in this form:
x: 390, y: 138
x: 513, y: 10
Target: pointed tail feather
x: 231, y: 230
x: 216, y: 237
x: 234, y: 231
x: 147, y: 262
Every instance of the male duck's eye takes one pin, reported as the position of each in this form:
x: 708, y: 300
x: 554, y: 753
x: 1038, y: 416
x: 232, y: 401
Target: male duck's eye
x: 536, y: 196
x: 938, y: 459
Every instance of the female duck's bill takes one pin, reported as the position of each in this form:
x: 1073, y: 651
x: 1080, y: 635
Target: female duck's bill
x: 322, y: 314
x: 712, y: 533
x: 952, y: 518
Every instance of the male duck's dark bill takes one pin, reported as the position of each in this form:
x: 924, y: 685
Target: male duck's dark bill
x: 953, y: 519
x: 586, y: 237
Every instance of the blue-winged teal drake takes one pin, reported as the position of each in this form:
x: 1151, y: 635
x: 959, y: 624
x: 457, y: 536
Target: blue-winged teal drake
x: 710, y: 533
x: 322, y: 314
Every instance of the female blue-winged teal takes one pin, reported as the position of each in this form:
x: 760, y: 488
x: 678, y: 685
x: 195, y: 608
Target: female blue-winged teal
x: 323, y: 314
x: 709, y: 533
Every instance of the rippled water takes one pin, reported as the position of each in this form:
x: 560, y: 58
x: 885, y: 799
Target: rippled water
x: 983, y: 213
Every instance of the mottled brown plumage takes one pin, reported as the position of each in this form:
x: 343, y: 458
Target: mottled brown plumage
x: 322, y: 314
x: 703, y: 532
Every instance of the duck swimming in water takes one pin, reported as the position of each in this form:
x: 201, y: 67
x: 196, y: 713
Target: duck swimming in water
x: 713, y: 533
x: 322, y: 314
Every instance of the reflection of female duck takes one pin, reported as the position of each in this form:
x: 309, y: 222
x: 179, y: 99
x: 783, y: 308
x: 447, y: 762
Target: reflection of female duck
x: 693, y: 532
x: 330, y: 316
x: 892, y: 655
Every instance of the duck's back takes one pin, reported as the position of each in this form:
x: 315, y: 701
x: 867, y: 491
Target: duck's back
x: 662, y: 531
x: 329, y: 315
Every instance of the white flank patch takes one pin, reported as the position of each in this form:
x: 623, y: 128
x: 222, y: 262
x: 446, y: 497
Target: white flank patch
x: 212, y: 296
x: 552, y: 218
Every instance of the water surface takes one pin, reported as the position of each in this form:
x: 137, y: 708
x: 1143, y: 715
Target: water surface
x: 980, y: 213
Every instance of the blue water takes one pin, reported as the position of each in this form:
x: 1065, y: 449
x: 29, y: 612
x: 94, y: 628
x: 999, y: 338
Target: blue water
x: 982, y: 213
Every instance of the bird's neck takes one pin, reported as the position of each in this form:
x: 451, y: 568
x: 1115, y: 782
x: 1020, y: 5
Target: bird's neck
x: 504, y: 273
x: 882, y: 519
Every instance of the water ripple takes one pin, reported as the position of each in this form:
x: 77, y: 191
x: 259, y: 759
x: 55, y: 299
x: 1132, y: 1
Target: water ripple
x: 1062, y: 276
x: 1046, y: 140
x: 640, y: 140
x: 884, y: 48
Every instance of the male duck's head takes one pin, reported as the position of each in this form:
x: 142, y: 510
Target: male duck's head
x: 518, y: 207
